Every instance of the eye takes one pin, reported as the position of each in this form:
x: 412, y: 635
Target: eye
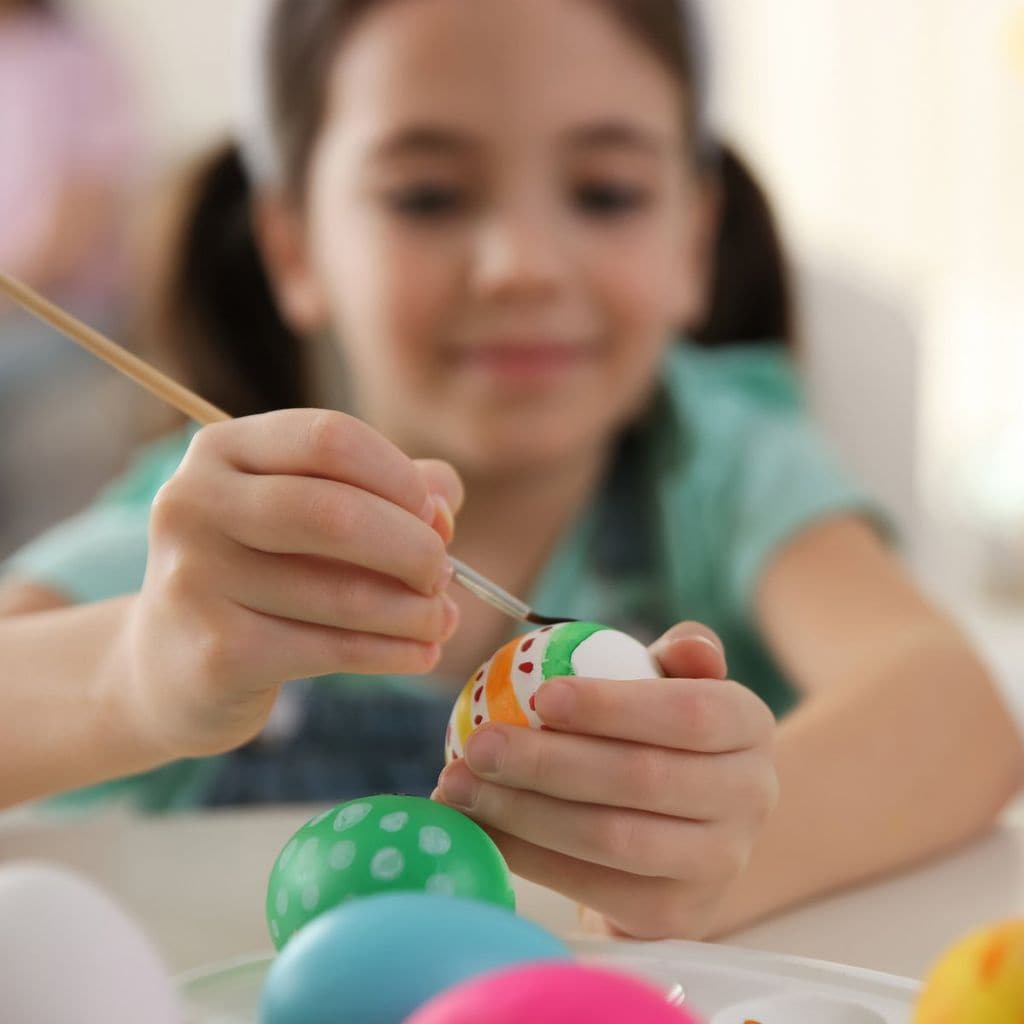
x: 610, y: 199
x: 426, y: 202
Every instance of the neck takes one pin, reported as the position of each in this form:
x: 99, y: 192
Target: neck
x: 509, y: 524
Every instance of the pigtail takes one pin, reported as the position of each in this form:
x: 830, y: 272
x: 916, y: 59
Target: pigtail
x: 750, y: 298
x: 210, y: 311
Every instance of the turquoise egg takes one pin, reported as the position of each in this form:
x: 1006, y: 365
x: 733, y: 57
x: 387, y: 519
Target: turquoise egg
x: 376, y: 960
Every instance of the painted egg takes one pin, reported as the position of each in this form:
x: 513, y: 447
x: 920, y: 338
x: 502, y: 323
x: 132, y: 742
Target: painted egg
x: 382, y: 844
x: 69, y: 953
x: 375, y: 961
x: 552, y: 994
x: 980, y: 979
x: 504, y: 687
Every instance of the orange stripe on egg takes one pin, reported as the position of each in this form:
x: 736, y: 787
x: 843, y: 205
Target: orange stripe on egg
x: 502, y: 703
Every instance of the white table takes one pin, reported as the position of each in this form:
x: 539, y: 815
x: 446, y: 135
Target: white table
x: 197, y: 883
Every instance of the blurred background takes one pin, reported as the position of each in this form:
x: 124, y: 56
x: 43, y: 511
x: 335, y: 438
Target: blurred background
x: 888, y: 133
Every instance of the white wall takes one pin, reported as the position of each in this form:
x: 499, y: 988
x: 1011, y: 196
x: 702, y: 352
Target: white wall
x: 891, y: 134
x: 180, y: 55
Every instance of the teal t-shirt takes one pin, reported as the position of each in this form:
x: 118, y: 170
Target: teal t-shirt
x: 723, y: 469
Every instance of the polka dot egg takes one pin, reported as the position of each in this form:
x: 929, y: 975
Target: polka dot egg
x: 503, y: 689
x: 382, y: 844
x: 979, y: 980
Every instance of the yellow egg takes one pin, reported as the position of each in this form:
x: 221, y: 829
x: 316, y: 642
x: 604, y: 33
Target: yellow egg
x: 979, y: 980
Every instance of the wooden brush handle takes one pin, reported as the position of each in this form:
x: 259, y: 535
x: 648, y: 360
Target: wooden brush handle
x: 157, y: 383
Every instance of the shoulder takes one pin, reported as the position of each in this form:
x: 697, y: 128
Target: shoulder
x: 718, y: 408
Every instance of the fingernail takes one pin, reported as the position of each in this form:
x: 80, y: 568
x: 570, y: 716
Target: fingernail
x: 665, y: 642
x: 429, y: 510
x: 485, y: 751
x: 459, y: 788
x: 451, y: 618
x: 444, y: 580
x: 443, y: 520
x: 555, y: 702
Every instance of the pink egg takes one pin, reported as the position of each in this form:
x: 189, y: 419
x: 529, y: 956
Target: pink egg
x: 551, y: 994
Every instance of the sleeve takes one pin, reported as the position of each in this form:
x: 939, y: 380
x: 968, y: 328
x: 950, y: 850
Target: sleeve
x: 98, y: 554
x: 786, y: 480
x: 101, y: 552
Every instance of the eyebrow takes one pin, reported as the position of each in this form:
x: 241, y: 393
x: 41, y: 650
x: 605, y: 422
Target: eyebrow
x: 423, y: 140
x: 434, y: 140
x: 617, y: 135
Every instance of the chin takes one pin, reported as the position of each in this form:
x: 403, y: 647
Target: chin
x: 513, y: 445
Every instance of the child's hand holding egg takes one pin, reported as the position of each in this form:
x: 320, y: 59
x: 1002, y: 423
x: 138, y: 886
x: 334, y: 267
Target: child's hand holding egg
x: 640, y: 799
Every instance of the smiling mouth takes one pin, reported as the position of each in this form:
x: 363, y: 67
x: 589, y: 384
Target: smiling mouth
x: 526, y: 360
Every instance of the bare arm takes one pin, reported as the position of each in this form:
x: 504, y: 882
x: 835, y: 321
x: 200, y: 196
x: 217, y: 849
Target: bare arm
x: 902, y: 748
x: 62, y: 725
x: 325, y: 554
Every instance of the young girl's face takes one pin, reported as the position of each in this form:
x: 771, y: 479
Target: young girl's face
x: 500, y: 226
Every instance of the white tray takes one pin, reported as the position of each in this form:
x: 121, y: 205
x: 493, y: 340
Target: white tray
x: 721, y: 984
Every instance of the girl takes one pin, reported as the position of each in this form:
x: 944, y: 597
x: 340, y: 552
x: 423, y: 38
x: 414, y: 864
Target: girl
x: 501, y: 211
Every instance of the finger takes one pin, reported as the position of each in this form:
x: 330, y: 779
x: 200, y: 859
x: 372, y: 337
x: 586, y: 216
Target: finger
x: 707, y: 716
x: 628, y: 840
x: 265, y: 651
x: 303, y: 516
x: 329, y: 593
x: 444, y: 481
x: 320, y: 443
x: 582, y: 769
x: 639, y: 907
x: 690, y: 650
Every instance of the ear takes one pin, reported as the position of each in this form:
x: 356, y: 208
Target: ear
x: 697, y: 252
x: 281, y: 237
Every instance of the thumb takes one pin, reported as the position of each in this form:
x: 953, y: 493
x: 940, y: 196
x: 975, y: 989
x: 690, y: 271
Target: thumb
x: 690, y: 651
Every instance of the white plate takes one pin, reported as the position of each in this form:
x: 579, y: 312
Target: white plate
x: 721, y: 984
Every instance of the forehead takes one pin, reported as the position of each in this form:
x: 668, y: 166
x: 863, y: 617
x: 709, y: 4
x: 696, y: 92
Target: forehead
x: 499, y: 69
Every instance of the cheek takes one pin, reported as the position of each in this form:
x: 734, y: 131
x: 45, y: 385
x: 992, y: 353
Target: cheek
x: 389, y: 295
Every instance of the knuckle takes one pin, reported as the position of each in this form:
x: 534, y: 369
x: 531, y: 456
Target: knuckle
x: 615, y: 834
x: 205, y: 442
x: 329, y: 516
x: 661, y: 914
x: 326, y: 433
x: 434, y: 558
x: 538, y: 762
x: 649, y: 775
x: 180, y: 574
x: 754, y: 792
x: 174, y: 505
x: 431, y: 625
x: 699, y: 712
x: 214, y: 655
x: 417, y: 658
x: 724, y: 859
x: 766, y: 798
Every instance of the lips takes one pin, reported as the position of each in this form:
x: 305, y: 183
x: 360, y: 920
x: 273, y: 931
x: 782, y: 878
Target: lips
x: 526, y: 358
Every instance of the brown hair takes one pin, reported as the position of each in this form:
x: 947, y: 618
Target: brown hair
x: 212, y: 306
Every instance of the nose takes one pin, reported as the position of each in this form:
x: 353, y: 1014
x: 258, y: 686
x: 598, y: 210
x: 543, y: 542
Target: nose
x: 521, y: 253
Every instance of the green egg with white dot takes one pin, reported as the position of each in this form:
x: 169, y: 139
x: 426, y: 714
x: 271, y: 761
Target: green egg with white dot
x: 380, y: 844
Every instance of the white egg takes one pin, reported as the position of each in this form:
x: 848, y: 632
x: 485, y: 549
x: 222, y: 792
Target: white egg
x: 69, y: 954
